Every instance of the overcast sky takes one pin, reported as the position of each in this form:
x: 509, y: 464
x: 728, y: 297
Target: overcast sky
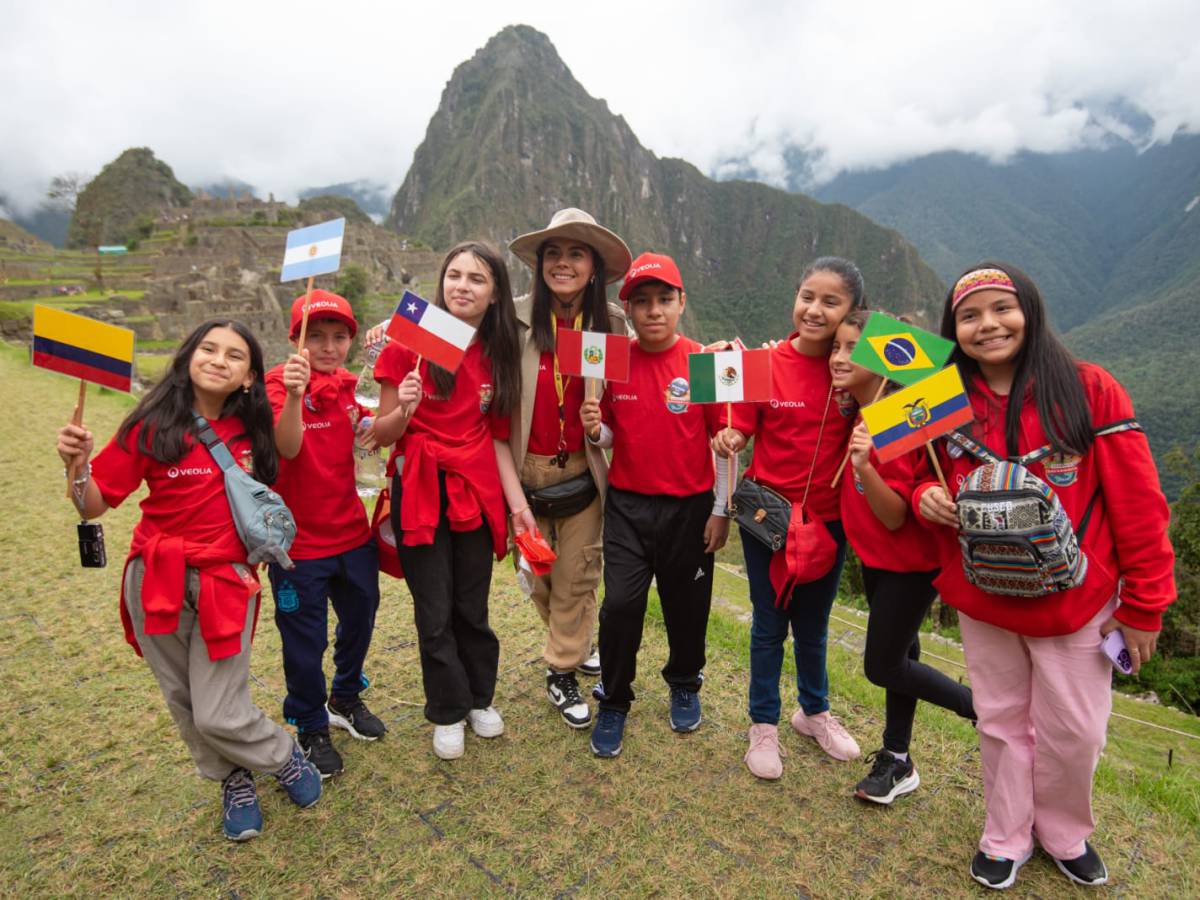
x: 296, y: 94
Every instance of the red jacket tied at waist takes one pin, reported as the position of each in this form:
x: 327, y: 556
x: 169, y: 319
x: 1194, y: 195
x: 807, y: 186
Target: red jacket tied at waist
x: 225, y: 589
x: 473, y: 491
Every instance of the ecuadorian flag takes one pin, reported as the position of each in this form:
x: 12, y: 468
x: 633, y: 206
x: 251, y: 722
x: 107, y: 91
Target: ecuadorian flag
x: 916, y: 415
x: 901, y: 352
x: 83, y: 348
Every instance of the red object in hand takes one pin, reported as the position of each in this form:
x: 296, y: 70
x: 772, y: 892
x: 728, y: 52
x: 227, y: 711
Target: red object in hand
x: 536, y: 551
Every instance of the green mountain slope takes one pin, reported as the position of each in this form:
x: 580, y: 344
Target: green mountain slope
x: 134, y: 185
x: 516, y: 137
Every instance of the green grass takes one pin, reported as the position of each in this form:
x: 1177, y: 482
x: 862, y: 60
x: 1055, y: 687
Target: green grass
x: 99, y: 797
x: 23, y: 309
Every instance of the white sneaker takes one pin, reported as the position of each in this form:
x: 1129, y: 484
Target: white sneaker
x: 448, y: 740
x: 486, y: 723
x: 591, y: 665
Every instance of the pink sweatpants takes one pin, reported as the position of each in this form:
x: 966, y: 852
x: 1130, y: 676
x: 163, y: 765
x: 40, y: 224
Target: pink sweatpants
x: 1043, y: 706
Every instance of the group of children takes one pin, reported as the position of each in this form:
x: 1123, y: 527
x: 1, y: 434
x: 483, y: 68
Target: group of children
x: 634, y: 474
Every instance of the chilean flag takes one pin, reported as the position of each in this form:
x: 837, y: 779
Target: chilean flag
x: 593, y: 354
x: 430, y: 331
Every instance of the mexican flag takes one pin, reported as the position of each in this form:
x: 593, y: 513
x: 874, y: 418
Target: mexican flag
x: 730, y: 376
x: 593, y: 354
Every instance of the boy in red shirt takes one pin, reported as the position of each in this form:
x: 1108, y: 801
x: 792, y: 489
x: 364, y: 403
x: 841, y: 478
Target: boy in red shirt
x: 660, y: 521
x: 316, y: 417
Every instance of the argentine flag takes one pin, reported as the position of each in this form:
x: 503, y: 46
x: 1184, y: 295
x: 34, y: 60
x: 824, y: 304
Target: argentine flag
x: 315, y: 250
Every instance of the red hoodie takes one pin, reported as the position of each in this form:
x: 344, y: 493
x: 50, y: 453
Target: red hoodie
x: 185, y: 521
x: 1126, y: 539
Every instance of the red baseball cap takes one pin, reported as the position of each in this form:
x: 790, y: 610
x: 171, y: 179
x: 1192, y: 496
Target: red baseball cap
x: 651, y: 267
x: 323, y: 305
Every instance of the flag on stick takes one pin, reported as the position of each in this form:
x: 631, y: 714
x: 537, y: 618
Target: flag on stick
x: 316, y: 250
x: 903, y: 353
x: 83, y: 348
x: 593, y: 354
x: 430, y: 331
x: 918, y: 414
x: 730, y: 376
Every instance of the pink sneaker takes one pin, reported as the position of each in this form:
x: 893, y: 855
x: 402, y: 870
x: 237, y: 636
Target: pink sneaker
x: 762, y: 759
x: 829, y: 734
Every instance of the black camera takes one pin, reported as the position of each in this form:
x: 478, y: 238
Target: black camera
x: 91, y: 545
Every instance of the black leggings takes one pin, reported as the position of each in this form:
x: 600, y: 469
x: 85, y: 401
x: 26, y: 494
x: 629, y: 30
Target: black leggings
x: 899, y: 602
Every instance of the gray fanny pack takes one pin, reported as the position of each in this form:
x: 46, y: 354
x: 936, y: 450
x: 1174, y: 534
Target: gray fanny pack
x: 264, y: 523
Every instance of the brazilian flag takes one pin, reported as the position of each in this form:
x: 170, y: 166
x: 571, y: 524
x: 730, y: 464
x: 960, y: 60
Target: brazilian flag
x: 901, y: 352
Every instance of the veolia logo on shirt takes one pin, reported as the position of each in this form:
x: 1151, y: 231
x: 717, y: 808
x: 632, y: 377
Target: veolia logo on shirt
x: 787, y: 404
x: 325, y: 424
x: 187, y: 472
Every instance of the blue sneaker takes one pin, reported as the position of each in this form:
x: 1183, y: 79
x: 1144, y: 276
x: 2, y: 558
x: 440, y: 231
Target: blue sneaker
x: 243, y: 815
x: 300, y: 779
x: 685, y: 709
x: 607, y: 734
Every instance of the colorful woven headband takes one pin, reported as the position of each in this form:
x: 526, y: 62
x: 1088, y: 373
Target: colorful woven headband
x: 981, y: 280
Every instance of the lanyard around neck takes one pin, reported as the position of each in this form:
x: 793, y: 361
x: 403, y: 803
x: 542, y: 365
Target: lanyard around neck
x: 560, y: 383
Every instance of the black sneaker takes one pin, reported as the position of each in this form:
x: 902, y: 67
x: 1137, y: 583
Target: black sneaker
x: 563, y: 691
x: 608, y: 733
x: 685, y: 709
x: 352, y: 714
x: 1087, y: 869
x: 890, y: 777
x: 319, y: 750
x: 996, y: 871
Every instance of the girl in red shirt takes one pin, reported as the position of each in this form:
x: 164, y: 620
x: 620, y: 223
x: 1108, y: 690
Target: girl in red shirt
x: 189, y: 600
x: 799, y: 439
x: 898, y: 565
x: 1041, y: 683
x: 452, y: 473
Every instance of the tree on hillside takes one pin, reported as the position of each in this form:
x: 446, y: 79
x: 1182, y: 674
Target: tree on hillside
x: 64, y: 190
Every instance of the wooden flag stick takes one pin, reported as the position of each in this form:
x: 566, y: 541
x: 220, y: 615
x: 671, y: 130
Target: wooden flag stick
x: 416, y: 368
x: 76, y: 419
x: 733, y: 461
x: 845, y: 459
x: 937, y: 467
x: 304, y: 316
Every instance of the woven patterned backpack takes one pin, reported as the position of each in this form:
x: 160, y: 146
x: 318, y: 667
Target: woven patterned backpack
x: 1015, y: 536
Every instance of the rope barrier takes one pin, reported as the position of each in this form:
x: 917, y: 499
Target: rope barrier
x: 924, y: 653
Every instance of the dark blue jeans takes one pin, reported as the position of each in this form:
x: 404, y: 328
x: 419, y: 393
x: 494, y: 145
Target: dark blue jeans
x: 808, y: 615
x: 350, y: 582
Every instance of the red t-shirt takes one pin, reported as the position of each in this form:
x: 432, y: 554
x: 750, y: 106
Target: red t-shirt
x: 187, y: 498
x: 785, y: 431
x: 910, y: 548
x: 544, y: 423
x: 660, y: 442
x: 462, y: 419
x: 1126, y: 539
x: 318, y: 484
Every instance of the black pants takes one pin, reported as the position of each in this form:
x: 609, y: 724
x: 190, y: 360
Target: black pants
x: 656, y: 537
x: 899, y: 602
x: 449, y: 581
x: 350, y: 582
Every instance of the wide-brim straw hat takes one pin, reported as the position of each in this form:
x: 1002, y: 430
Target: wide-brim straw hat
x: 576, y: 225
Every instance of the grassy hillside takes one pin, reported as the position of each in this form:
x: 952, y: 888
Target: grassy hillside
x: 101, y: 799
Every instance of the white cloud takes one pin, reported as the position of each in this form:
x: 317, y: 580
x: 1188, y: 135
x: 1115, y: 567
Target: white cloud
x: 289, y: 95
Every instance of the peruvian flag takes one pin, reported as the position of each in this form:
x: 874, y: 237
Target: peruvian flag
x: 593, y: 354
x: 729, y: 376
x: 430, y: 331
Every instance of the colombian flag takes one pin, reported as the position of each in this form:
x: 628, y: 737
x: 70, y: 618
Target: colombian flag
x: 903, y: 353
x: 917, y: 414
x: 81, y: 347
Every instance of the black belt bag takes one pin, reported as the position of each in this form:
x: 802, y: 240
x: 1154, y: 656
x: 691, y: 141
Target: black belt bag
x: 763, y: 513
x: 558, y: 501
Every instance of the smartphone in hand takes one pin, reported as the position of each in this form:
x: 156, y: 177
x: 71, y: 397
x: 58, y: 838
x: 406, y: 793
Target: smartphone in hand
x: 1113, y: 646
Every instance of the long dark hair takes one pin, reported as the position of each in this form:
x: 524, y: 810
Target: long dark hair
x: 165, y: 411
x: 1043, y: 363
x: 497, y: 331
x: 849, y: 273
x: 595, y: 301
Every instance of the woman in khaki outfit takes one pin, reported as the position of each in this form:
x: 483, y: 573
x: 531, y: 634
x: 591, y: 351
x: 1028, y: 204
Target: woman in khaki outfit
x: 565, y: 476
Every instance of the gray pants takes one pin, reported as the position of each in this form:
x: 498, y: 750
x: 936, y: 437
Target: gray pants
x: 210, y: 701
